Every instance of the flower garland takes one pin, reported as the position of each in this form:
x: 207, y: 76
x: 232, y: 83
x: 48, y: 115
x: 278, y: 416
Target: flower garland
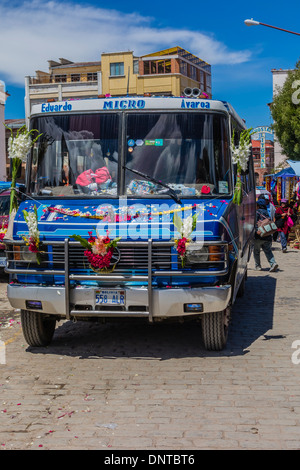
x: 98, y: 250
x: 33, y: 239
x: 185, y: 229
x: 117, y: 217
x: 18, y: 148
x: 240, y: 156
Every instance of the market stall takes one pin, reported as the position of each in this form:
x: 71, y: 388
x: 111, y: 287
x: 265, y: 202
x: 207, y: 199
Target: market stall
x: 282, y: 184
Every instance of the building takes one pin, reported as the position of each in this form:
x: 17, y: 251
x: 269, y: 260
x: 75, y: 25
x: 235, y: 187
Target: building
x: 260, y: 171
x: 3, y: 97
x: 279, y: 77
x: 167, y: 72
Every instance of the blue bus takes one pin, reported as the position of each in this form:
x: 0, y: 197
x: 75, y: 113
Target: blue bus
x: 133, y: 203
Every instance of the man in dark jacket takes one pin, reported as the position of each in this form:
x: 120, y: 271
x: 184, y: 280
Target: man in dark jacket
x: 263, y: 243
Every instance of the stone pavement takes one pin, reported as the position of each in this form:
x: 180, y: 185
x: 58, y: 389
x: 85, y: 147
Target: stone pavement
x: 129, y: 386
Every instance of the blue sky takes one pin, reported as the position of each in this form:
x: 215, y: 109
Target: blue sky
x: 242, y: 57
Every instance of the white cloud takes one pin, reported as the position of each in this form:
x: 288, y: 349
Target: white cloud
x: 33, y: 32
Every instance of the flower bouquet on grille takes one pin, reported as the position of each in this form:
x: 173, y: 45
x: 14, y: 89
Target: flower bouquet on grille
x: 18, y: 148
x: 240, y: 156
x: 33, y: 238
x: 185, y: 228
x: 99, y: 251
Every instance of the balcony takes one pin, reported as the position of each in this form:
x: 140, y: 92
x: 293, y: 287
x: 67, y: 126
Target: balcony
x: 64, y: 85
x: 43, y: 79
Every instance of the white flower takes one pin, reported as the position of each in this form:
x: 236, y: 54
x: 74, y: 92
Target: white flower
x: 187, y: 227
x: 18, y: 147
x: 240, y: 155
x: 32, y: 224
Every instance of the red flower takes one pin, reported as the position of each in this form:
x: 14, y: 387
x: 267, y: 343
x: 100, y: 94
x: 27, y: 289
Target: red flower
x: 91, y: 239
x: 33, y: 248
x: 106, y: 240
x: 181, y: 246
x: 99, y: 261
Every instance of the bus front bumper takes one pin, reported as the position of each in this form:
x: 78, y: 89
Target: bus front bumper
x: 82, y: 301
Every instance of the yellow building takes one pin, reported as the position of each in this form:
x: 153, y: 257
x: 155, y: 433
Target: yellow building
x: 167, y: 72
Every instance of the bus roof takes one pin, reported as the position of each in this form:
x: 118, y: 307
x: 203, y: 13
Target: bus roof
x: 135, y: 103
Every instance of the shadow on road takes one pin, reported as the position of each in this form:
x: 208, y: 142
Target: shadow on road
x: 252, y: 317
x: 253, y: 313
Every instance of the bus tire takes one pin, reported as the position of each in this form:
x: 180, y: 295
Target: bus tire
x: 215, y: 329
x: 38, y: 329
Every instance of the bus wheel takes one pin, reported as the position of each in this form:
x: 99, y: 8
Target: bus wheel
x: 215, y: 329
x: 38, y: 329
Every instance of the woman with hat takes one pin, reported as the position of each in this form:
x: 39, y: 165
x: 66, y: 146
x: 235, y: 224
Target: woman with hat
x: 284, y: 219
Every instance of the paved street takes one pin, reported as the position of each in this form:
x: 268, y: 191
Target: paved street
x: 139, y: 386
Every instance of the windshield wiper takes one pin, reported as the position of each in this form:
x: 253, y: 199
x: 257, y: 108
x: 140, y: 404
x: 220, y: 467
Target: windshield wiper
x: 150, y: 178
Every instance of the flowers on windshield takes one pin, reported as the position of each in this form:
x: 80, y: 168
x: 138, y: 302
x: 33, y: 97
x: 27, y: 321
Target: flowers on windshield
x: 33, y: 238
x: 240, y: 156
x: 98, y: 250
x: 185, y: 228
x: 18, y: 148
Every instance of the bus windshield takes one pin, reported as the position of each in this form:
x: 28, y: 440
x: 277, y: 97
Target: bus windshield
x: 78, y: 155
x: 187, y: 151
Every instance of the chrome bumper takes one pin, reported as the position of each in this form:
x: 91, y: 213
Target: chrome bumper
x: 68, y: 302
x: 165, y: 303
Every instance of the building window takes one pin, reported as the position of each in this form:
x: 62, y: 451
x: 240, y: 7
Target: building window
x: 201, y: 78
x: 168, y: 66
x: 92, y: 77
x: 193, y: 72
x: 208, y: 83
x: 75, y: 77
x: 135, y: 66
x: 146, y: 68
x: 60, y: 78
x: 116, y: 68
x: 183, y: 67
x: 154, y: 67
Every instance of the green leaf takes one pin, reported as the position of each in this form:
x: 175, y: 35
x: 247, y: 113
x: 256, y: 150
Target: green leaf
x: 115, y: 242
x: 83, y: 241
x: 195, y: 217
x: 177, y: 222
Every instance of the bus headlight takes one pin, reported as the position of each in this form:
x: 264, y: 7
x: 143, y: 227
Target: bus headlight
x: 27, y: 255
x: 196, y: 254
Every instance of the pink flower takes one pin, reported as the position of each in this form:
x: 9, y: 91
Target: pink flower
x: 32, y: 247
x: 99, y: 261
x: 99, y: 247
x: 181, y: 246
x: 91, y: 239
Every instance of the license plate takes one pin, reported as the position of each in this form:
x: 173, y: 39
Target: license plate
x: 2, y: 262
x: 110, y: 297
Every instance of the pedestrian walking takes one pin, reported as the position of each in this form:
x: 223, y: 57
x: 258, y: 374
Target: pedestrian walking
x: 270, y: 206
x: 263, y: 243
x: 284, y: 218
